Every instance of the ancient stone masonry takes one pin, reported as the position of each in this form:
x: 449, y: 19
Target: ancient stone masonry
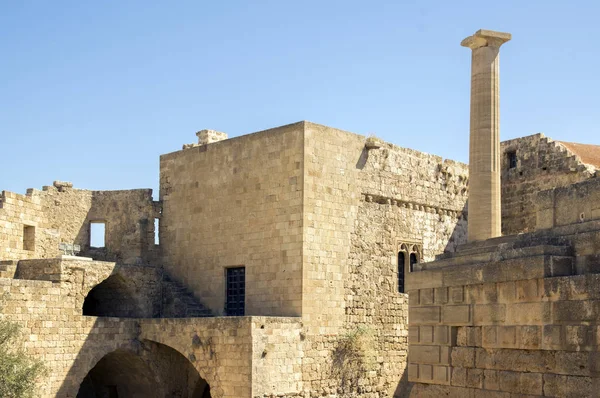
x: 516, y: 315
x: 292, y: 260
x: 36, y: 224
x: 539, y: 164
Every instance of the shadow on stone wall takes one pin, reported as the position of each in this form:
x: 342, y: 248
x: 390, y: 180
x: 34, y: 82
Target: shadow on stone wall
x: 404, y: 387
x: 459, y: 234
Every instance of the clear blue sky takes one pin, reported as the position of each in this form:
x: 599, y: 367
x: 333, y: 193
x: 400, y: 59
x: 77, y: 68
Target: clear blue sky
x: 94, y: 92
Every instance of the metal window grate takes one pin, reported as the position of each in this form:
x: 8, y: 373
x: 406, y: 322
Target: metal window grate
x: 236, y: 291
x: 401, y: 262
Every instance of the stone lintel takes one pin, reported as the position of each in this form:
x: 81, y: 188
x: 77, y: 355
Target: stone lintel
x: 485, y: 38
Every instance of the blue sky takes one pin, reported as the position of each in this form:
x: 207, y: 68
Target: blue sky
x: 94, y: 92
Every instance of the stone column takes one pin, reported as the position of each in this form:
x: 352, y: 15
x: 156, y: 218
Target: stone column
x: 484, y: 145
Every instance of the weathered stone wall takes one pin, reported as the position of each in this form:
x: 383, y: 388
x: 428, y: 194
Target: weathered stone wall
x: 359, y: 205
x: 62, y: 215
x: 568, y: 205
x: 509, y: 316
x: 231, y: 203
x: 277, y: 355
x: 541, y: 164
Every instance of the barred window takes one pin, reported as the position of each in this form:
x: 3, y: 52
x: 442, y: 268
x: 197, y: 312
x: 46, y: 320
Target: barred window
x: 236, y: 291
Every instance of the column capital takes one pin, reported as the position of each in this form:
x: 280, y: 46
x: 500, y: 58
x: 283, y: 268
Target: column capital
x: 486, y: 38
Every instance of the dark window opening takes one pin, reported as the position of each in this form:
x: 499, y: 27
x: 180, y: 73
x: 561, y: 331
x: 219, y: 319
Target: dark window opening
x: 97, y: 234
x: 401, y: 262
x: 512, y: 159
x: 414, y: 259
x: 112, y: 392
x: 28, y: 237
x: 236, y: 291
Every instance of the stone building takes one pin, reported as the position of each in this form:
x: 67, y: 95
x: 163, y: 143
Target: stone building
x: 280, y: 264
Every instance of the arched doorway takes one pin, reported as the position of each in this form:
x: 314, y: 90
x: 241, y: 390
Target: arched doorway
x: 153, y: 371
x: 113, y: 297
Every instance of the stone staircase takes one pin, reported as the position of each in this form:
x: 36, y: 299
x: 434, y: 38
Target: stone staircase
x: 179, y: 302
x: 8, y: 269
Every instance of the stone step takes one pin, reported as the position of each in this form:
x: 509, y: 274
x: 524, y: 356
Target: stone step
x: 488, y: 254
x: 182, y: 302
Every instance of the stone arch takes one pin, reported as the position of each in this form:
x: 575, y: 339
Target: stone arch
x: 201, y: 371
x: 148, y: 369
x: 113, y: 297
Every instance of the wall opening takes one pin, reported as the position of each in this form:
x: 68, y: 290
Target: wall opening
x: 113, y: 297
x: 156, y: 230
x: 236, y: 291
x: 512, y: 159
x: 414, y: 259
x: 156, y: 371
x: 28, y: 237
x: 401, y: 265
x: 97, y: 234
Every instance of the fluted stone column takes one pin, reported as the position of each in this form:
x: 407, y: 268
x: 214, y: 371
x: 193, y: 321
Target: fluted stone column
x: 484, y: 146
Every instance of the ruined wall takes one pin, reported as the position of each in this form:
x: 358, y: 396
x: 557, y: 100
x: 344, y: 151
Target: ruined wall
x: 61, y: 214
x: 237, y: 203
x: 541, y: 164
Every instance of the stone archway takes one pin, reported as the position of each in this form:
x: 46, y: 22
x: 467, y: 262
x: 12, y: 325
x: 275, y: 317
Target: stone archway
x: 153, y: 371
x: 112, y: 297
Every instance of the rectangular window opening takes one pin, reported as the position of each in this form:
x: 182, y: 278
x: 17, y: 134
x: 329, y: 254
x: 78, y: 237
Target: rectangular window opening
x: 97, y: 234
x: 156, y: 229
x: 401, y: 264
x: 28, y: 237
x: 236, y: 291
x: 512, y: 159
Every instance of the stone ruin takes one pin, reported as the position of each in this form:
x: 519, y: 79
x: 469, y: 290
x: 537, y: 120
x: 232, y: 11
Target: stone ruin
x: 306, y: 261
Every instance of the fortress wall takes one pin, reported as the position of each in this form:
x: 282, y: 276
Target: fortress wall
x: 233, y: 203
x: 34, y: 225
x: 360, y: 206
x: 541, y: 164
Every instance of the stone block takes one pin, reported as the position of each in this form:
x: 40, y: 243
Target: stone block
x: 463, y: 357
x: 489, y: 336
x: 456, y: 314
x: 489, y: 314
x: 507, y: 292
x: 426, y: 334
x: 424, y: 315
x: 413, y: 334
x: 426, y: 296
x: 530, y: 337
x: 413, y: 372
x: 490, y: 380
x: 538, y: 313
x: 441, y: 295
x: 457, y: 294
x: 527, y: 290
x: 424, y: 354
x: 425, y: 373
x: 552, y: 337
x: 441, y: 374
x: 507, y: 336
x: 475, y: 378
x: 459, y: 377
